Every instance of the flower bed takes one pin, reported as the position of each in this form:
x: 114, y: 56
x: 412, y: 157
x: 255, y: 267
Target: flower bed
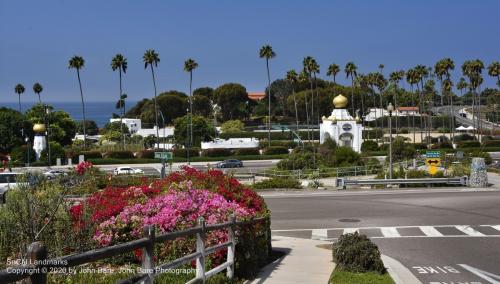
x: 119, y: 214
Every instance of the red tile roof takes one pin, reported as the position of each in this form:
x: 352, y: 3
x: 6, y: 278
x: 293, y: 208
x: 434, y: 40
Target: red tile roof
x: 408, y: 108
x: 256, y: 96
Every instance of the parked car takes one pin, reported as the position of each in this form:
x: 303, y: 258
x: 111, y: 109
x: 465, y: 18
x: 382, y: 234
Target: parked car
x: 7, y: 181
x: 52, y: 174
x: 229, y: 164
x: 127, y: 171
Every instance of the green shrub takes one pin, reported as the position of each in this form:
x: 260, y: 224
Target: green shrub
x: 285, y: 143
x: 90, y: 154
x: 56, y: 151
x: 275, y: 150
x: 491, y: 143
x: 356, y: 253
x: 403, y: 131
x: 277, y: 182
x: 216, y: 153
x: 146, y: 154
x: 182, y: 153
x: 119, y: 155
x: 464, y: 137
x: 19, y: 155
x: 369, y: 145
x: 419, y: 146
x: 469, y: 144
x: 373, y: 134
x: 247, y: 151
x: 480, y: 154
x: 345, y: 157
x: 297, y: 160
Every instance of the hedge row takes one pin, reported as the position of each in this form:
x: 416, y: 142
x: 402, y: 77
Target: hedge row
x: 285, y: 135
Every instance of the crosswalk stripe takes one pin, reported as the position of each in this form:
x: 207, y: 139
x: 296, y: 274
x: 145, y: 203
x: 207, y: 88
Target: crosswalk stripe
x: 350, y: 231
x: 469, y: 231
x: 318, y: 234
x: 496, y: 227
x: 430, y: 231
x: 390, y: 232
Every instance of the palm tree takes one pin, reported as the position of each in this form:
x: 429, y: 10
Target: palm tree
x: 151, y: 59
x: 381, y: 67
x: 395, y: 77
x: 447, y: 87
x: 267, y: 52
x: 442, y: 70
x: 291, y: 77
x: 304, y: 77
x: 473, y: 69
x: 189, y: 66
x: 19, y: 89
x: 351, y: 71
x: 120, y: 62
x: 77, y: 62
x: 421, y: 73
x: 494, y: 71
x: 314, y: 70
x: 333, y: 70
x: 37, y: 88
x: 412, y: 79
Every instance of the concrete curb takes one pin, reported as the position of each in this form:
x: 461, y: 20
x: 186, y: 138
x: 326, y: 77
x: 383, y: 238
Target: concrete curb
x: 399, y: 273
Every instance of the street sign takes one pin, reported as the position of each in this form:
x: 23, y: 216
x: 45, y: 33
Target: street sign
x: 432, y: 154
x: 163, y: 155
x: 434, y: 162
x: 432, y: 170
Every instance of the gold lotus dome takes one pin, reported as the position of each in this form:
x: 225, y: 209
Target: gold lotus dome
x: 340, y: 101
x: 39, y: 128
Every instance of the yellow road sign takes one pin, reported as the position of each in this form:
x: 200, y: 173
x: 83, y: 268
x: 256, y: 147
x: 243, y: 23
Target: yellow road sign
x: 432, y: 170
x: 433, y: 162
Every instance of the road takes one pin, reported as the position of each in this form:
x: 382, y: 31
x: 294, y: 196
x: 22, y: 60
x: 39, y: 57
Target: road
x: 463, y: 120
x: 440, y: 235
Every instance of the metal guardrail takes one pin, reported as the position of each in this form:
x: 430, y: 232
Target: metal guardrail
x: 38, y: 265
x: 427, y: 181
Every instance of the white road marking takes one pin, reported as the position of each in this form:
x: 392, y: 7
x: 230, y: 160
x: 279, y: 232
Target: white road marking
x: 469, y: 231
x: 496, y: 227
x: 430, y: 231
x: 483, y: 274
x: 319, y: 234
x: 350, y: 231
x: 390, y: 232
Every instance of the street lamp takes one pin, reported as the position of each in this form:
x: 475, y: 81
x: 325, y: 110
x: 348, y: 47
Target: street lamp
x: 390, y: 109
x: 47, y: 119
x: 188, y: 140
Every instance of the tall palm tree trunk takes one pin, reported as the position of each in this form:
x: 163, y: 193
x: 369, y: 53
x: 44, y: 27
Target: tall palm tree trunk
x: 269, y: 104
x: 396, y: 109
x: 413, y: 115
x: 307, y: 118
x: 121, y: 116
x: 83, y: 111
x: 19, y: 98
x: 312, y: 119
x: 421, y: 111
x: 156, y: 109
x: 190, y: 112
x: 296, y: 112
x: 39, y: 98
x: 382, y: 120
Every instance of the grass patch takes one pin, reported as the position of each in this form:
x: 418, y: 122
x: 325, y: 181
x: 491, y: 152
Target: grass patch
x: 340, y: 276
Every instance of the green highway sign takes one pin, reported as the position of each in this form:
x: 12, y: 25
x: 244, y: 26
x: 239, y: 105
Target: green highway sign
x: 163, y: 155
x: 432, y: 154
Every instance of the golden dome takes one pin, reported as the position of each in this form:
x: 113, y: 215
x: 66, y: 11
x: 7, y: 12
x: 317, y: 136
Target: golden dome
x: 340, y: 101
x: 39, y: 128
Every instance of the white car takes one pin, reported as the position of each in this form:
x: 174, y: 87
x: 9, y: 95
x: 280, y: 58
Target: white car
x: 52, y: 174
x: 127, y: 171
x: 7, y: 181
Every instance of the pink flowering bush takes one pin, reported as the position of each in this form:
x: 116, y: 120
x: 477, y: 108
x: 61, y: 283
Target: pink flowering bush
x: 83, y: 167
x: 177, y: 210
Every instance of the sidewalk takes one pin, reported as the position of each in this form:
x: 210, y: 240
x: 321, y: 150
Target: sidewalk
x: 303, y: 263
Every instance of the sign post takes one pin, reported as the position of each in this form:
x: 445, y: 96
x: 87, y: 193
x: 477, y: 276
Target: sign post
x: 433, y: 161
x: 164, y: 156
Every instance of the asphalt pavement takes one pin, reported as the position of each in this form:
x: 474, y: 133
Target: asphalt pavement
x: 440, y: 235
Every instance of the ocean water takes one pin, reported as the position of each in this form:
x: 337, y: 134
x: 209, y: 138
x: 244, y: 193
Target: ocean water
x: 100, y: 112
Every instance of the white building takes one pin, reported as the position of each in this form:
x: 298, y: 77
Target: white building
x: 375, y: 113
x: 232, y: 143
x: 341, y: 126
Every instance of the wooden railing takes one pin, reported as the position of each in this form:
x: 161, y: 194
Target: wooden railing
x: 38, y: 266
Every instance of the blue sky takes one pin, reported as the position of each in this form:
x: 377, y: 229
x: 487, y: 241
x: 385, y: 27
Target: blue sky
x: 38, y: 37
